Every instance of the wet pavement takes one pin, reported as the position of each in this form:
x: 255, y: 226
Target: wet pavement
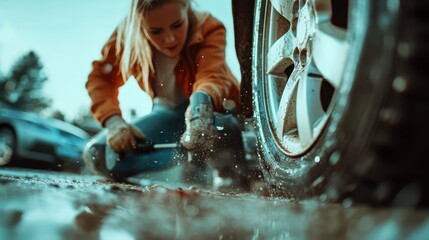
x: 45, y: 205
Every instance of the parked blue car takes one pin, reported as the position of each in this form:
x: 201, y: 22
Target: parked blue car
x: 28, y: 140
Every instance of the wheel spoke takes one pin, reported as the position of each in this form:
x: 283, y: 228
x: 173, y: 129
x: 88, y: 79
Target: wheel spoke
x: 280, y: 55
x: 287, y: 8
x: 308, y: 108
x: 286, y: 115
x: 330, y: 50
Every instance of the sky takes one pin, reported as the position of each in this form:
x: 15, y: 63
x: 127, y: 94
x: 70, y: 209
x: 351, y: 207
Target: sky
x: 69, y: 34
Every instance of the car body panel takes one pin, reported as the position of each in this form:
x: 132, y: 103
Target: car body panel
x: 47, y: 140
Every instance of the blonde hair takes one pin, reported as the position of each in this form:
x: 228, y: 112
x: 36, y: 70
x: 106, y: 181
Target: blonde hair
x: 132, y: 45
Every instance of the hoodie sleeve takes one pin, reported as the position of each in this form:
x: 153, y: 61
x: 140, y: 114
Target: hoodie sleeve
x: 212, y: 73
x: 103, y: 83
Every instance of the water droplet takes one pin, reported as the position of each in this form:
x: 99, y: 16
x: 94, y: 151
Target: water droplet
x: 323, y: 197
x: 107, y: 68
x: 335, y: 157
x: 400, y: 84
x: 317, y: 159
x: 390, y: 116
x: 332, y: 193
x: 318, y: 181
x: 393, y: 5
x: 347, y: 202
x: 404, y: 50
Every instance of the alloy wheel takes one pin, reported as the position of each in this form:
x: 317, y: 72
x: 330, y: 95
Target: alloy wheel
x: 301, y: 72
x: 7, y: 145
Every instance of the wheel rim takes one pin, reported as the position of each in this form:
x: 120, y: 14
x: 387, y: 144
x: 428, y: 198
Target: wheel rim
x: 301, y: 72
x: 6, y: 146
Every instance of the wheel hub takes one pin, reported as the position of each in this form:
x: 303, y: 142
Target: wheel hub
x: 5, y: 148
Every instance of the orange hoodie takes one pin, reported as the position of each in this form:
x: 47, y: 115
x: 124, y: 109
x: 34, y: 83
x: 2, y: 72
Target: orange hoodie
x: 202, y: 67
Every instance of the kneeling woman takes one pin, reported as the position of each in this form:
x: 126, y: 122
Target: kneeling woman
x: 175, y: 54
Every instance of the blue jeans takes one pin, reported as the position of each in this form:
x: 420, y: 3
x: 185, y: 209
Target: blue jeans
x: 162, y: 125
x: 166, y: 125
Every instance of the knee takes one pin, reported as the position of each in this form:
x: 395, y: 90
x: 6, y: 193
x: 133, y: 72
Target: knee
x: 94, y: 154
x: 94, y: 157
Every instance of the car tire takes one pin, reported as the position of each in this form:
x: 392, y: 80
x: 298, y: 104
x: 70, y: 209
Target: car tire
x: 7, y: 146
x: 339, y: 100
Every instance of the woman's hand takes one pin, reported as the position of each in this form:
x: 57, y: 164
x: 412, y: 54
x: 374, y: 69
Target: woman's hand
x: 121, y: 136
x: 201, y: 135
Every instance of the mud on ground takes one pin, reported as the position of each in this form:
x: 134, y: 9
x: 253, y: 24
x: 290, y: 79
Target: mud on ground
x: 41, y: 205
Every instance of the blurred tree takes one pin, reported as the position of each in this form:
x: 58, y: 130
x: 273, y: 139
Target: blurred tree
x: 21, y: 89
x: 58, y: 115
x: 2, y: 86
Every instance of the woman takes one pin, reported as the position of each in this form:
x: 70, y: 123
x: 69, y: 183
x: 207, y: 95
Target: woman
x: 173, y: 53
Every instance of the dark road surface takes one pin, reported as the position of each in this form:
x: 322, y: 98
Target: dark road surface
x: 43, y: 205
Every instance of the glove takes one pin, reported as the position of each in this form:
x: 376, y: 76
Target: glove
x: 200, y: 135
x: 121, y: 136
